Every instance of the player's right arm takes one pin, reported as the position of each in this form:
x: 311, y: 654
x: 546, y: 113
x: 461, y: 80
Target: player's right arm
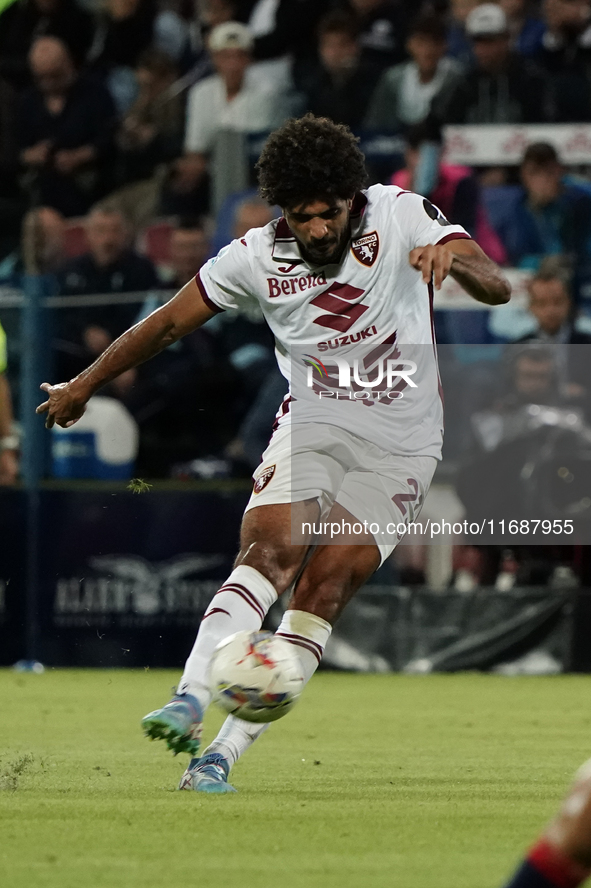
x: 185, y: 312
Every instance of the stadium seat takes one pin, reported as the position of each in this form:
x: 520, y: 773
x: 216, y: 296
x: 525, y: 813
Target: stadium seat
x: 154, y: 241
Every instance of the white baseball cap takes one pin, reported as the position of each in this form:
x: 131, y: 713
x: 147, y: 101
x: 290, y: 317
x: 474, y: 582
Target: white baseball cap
x: 230, y: 35
x: 487, y: 20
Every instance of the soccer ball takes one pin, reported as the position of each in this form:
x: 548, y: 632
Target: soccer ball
x: 256, y: 676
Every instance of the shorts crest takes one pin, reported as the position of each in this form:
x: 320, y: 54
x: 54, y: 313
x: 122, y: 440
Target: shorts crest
x: 263, y: 479
x: 365, y: 249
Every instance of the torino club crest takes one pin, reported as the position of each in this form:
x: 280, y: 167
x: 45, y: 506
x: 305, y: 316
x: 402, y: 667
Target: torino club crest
x: 263, y: 479
x: 366, y: 248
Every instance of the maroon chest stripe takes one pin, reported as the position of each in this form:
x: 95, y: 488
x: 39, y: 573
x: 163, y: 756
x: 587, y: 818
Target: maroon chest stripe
x: 337, y: 300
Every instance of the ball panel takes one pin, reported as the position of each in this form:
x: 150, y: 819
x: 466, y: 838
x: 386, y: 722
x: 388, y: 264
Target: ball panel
x: 256, y: 676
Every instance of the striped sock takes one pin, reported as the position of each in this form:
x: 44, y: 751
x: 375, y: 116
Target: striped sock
x: 309, y: 634
x: 241, y: 603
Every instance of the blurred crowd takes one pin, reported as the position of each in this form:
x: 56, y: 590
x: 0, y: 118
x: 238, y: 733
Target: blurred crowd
x: 109, y: 121
x: 125, y: 99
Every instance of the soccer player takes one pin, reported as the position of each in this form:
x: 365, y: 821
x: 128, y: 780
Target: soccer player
x: 341, y: 260
x: 561, y: 858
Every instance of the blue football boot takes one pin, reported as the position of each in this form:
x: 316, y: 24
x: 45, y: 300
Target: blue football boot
x: 207, y: 774
x: 180, y: 723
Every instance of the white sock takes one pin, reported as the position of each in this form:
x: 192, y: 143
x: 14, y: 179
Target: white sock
x: 309, y: 634
x: 234, y: 738
x: 241, y: 603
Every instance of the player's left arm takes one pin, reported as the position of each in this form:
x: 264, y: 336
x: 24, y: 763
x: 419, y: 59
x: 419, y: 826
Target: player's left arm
x: 464, y: 260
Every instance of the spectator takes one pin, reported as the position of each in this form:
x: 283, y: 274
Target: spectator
x: 50, y: 239
x: 189, y: 250
x: 110, y: 266
x: 551, y: 305
x: 183, y: 402
x: 566, y: 56
x: 459, y: 46
x: 24, y: 21
x: 152, y: 131
x: 546, y: 216
x: 249, y: 346
x: 494, y: 478
x: 247, y: 342
x: 66, y: 131
x: 242, y: 202
x: 172, y: 34
x: 9, y: 442
x: 43, y: 228
x: 126, y: 29
x: 382, y: 30
x: 501, y: 87
x: 257, y: 425
x: 224, y: 101
x: 208, y: 14
x: 183, y: 399
x: 283, y: 32
x: 41, y: 252
x: 253, y: 212
x: 405, y: 92
x: 43, y: 241
x: 13, y: 202
x: 453, y: 189
x: 526, y: 30
x: 339, y: 84
x: 217, y: 12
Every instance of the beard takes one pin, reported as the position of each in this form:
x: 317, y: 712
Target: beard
x: 326, y: 252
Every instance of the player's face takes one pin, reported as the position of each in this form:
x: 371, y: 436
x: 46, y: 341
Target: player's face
x: 322, y: 229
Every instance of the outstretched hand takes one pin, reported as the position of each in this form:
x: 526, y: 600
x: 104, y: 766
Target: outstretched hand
x: 64, y: 405
x: 434, y: 261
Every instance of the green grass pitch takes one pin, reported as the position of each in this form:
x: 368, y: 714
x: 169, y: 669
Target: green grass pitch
x: 385, y: 780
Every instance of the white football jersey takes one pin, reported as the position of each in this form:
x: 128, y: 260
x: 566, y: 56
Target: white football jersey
x: 369, y: 308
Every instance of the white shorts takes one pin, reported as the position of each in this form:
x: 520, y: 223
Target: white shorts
x: 331, y: 465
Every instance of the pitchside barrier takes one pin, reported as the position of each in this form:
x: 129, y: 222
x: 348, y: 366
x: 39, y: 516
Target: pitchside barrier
x: 123, y: 580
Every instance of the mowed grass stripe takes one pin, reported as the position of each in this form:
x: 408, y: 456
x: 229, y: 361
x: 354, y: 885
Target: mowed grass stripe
x: 417, y: 782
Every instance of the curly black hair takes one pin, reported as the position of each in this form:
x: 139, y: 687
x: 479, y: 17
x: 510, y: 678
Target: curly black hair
x: 310, y: 158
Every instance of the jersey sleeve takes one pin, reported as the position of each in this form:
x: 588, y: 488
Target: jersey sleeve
x: 226, y: 281
x: 423, y: 223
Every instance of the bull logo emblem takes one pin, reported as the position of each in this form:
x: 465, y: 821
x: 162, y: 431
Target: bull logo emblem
x: 366, y: 248
x: 263, y: 479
